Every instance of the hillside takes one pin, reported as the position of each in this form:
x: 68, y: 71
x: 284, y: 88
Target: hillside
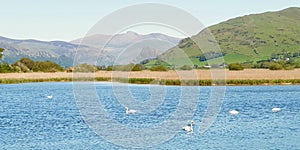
x: 248, y: 38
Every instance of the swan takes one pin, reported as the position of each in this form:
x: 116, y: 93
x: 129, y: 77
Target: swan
x: 189, y: 128
x: 49, y: 96
x: 275, y: 109
x: 130, y: 111
x: 233, y: 112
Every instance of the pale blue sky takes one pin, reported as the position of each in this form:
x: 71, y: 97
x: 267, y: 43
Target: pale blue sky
x: 70, y: 19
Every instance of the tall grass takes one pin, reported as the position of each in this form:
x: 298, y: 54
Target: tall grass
x: 263, y: 82
x: 159, y: 81
x: 22, y: 80
x: 135, y: 80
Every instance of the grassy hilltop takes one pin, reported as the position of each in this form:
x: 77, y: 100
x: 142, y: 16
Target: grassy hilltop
x: 250, y: 38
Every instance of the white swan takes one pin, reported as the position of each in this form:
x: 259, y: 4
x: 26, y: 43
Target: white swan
x: 276, y: 109
x: 233, y: 112
x: 130, y: 111
x: 189, y: 128
x: 49, y: 96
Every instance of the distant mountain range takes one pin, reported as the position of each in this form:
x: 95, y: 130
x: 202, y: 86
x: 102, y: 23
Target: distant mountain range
x: 129, y: 47
x: 248, y: 38
x: 130, y: 43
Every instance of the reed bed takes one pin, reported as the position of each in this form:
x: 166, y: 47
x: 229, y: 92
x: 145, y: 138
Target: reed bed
x: 22, y: 80
x: 183, y: 78
x: 157, y: 81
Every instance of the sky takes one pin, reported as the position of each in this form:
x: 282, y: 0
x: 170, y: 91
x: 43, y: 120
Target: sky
x: 67, y: 20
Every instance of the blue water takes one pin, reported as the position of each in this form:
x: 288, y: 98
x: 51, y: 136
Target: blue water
x: 29, y: 120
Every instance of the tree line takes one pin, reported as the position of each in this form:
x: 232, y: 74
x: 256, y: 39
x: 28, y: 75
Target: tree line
x: 28, y: 65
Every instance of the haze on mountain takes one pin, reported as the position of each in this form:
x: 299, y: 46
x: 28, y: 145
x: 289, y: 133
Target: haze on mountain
x: 126, y: 48
x: 89, y: 47
x: 57, y: 51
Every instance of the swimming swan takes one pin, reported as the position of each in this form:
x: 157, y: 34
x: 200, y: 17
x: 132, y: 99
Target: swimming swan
x: 130, y: 111
x: 276, y: 109
x: 189, y: 128
x: 233, y: 112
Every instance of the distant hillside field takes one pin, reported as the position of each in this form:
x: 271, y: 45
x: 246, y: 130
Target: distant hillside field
x: 249, y: 38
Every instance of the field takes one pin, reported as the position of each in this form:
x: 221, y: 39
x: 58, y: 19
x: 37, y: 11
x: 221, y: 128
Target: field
x: 253, y: 74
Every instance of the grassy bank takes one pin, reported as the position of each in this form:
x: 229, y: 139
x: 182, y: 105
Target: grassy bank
x: 159, y: 81
x: 208, y: 82
x: 22, y: 80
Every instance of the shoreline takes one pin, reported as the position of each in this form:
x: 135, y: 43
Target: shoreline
x: 193, y: 77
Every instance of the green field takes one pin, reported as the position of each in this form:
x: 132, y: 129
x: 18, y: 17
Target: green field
x: 249, y: 38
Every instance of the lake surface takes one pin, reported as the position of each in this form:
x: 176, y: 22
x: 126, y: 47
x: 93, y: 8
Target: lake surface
x: 30, y: 120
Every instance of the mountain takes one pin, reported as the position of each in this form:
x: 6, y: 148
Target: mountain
x: 129, y: 47
x: 57, y: 51
x: 88, y: 48
x: 248, y: 38
x: 121, y: 40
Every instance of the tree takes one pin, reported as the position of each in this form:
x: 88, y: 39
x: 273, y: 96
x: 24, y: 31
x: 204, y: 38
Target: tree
x: 28, y: 63
x: 1, y: 52
x: 46, y: 66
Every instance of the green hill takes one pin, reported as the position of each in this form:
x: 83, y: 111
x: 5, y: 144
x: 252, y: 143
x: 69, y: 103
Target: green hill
x: 250, y: 38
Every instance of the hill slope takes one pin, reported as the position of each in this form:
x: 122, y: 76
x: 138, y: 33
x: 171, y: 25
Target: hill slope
x: 249, y: 38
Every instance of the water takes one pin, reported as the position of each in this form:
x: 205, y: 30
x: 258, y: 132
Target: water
x: 29, y: 120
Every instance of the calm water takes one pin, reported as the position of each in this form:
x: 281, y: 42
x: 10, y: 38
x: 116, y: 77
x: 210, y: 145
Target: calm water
x: 29, y: 120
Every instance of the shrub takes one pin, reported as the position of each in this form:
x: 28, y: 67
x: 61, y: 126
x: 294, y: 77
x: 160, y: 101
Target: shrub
x: 69, y: 69
x: 20, y: 67
x: 159, y: 68
x: 137, y: 67
x: 275, y: 66
x: 85, y: 68
x: 235, y: 66
x: 6, y: 68
x: 109, y: 68
x: 289, y: 67
x: 46, y: 66
x: 186, y: 67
